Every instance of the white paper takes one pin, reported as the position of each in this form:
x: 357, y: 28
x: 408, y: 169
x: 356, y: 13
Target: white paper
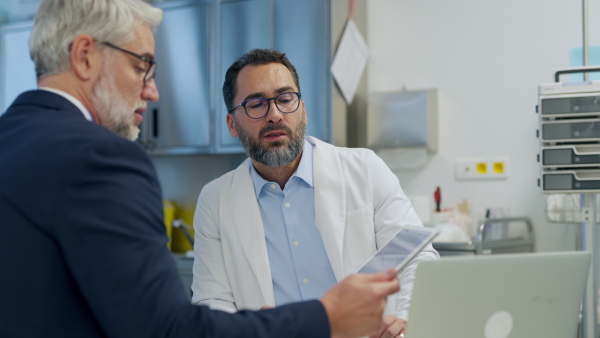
x: 350, y: 61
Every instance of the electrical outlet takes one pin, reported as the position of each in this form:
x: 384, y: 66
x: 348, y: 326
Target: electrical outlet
x: 482, y: 168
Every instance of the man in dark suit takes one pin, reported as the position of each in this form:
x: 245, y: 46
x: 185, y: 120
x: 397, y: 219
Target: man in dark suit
x: 82, y: 245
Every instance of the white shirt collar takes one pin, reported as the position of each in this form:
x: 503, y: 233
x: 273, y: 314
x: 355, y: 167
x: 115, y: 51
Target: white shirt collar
x: 72, y: 99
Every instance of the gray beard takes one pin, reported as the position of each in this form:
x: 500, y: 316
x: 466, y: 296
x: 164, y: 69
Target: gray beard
x: 273, y: 157
x: 114, y: 112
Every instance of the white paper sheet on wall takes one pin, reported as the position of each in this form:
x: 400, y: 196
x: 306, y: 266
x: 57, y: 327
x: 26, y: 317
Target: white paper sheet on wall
x: 350, y: 61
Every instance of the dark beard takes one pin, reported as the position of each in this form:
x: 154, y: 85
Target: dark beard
x: 273, y: 157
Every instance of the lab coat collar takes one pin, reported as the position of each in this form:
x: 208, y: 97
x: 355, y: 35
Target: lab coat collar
x: 330, y: 201
x: 249, y: 228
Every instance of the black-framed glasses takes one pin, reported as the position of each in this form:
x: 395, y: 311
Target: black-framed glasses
x: 259, y: 107
x: 150, y: 71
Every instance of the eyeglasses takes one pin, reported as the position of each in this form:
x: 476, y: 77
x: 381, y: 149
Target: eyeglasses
x: 259, y: 107
x: 150, y: 71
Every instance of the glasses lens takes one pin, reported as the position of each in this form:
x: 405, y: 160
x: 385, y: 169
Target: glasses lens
x: 256, y: 108
x: 151, y: 72
x: 287, y: 102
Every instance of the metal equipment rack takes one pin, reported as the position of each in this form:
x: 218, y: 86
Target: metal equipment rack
x: 569, y: 135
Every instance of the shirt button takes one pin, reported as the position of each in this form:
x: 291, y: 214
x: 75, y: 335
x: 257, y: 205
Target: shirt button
x: 296, y: 243
x: 305, y: 280
x: 287, y: 205
x: 273, y: 186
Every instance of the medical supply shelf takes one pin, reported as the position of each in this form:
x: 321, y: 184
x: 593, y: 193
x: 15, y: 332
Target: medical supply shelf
x: 569, y: 135
x: 482, y: 245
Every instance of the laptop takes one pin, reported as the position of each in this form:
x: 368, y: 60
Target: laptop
x: 499, y: 296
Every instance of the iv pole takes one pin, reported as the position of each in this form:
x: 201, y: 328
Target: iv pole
x: 589, y: 232
x: 588, y: 242
x: 585, y: 49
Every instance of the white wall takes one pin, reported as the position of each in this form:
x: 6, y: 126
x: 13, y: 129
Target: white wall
x: 487, y: 59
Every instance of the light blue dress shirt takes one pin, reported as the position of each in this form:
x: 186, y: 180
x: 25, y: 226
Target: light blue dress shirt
x: 299, y: 264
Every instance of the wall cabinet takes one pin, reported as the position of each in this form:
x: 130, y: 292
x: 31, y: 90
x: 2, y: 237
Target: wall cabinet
x: 195, y: 44
x: 190, y: 116
x: 180, y: 122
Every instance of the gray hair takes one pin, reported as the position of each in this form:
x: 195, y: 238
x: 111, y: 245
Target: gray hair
x: 58, y: 22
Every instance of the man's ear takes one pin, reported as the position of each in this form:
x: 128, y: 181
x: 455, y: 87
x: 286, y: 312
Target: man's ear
x: 304, y: 111
x: 230, y: 125
x: 86, y: 58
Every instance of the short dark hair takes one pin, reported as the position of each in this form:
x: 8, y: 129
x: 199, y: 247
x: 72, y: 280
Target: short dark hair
x: 253, y: 57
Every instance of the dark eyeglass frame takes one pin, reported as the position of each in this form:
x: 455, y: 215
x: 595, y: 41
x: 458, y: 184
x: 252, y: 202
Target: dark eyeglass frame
x: 151, y: 67
x: 274, y: 99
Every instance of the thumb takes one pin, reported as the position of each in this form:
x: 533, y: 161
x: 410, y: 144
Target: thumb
x: 386, y: 282
x: 384, y: 276
x: 388, y: 287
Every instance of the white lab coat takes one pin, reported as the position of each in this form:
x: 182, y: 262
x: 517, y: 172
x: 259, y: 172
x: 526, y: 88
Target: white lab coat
x: 359, y: 205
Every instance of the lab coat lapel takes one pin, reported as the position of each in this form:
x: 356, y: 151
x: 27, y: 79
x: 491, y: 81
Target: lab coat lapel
x: 248, y: 225
x: 330, y: 202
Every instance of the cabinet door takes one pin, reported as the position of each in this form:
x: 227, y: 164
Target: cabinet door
x: 17, y: 72
x: 244, y: 25
x: 302, y: 31
x: 179, y: 122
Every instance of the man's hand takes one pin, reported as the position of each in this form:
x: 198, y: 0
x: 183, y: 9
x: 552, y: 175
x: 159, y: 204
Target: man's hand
x: 355, y: 305
x: 391, y: 326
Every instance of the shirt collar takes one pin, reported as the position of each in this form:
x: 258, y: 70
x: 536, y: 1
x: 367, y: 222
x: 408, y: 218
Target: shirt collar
x: 72, y: 99
x: 304, y: 170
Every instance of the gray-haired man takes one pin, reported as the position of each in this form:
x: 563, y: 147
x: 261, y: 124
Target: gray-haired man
x: 83, y: 248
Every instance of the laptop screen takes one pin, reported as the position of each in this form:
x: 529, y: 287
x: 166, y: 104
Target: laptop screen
x: 499, y: 296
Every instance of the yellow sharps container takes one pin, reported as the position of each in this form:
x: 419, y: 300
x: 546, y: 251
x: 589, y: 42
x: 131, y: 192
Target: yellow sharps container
x: 169, y: 215
x: 181, y: 243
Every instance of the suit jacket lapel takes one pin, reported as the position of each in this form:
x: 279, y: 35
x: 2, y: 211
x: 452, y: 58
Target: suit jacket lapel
x: 248, y: 225
x: 330, y: 202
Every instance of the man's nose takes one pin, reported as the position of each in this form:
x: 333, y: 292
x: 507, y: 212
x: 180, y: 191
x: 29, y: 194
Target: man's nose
x: 274, y: 115
x: 150, y: 91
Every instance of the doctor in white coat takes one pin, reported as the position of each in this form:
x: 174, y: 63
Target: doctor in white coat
x: 299, y: 214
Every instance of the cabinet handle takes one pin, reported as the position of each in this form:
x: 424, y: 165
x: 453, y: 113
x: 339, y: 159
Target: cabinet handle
x: 155, y: 122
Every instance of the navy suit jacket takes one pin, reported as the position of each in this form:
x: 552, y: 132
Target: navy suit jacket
x: 82, y: 242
